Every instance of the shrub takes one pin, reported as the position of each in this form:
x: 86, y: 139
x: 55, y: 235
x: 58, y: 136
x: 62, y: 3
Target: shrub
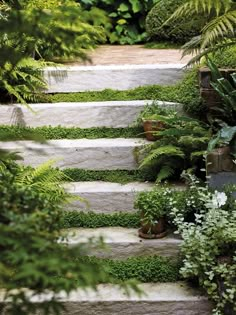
x: 31, y: 256
x: 225, y: 58
x: 127, y: 18
x: 209, y: 249
x: 160, y: 14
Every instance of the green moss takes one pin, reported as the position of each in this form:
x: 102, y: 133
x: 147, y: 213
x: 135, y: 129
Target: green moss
x: 114, y: 176
x: 47, y: 133
x: 144, y: 269
x: 93, y: 220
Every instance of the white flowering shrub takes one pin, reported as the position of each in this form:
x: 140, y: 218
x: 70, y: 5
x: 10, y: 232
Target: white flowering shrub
x: 209, y: 247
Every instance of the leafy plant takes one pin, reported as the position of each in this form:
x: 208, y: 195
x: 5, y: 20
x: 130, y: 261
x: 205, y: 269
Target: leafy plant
x: 153, y: 205
x: 29, y: 31
x: 31, y: 256
x: 223, y: 117
x: 127, y: 18
x: 219, y: 29
x: 209, y: 248
x: 180, y: 146
x: 172, y: 32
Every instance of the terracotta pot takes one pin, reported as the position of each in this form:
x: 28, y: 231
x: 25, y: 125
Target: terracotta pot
x: 151, y: 231
x: 152, y: 125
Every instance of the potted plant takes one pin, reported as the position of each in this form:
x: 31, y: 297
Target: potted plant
x: 153, y: 207
x: 152, y: 119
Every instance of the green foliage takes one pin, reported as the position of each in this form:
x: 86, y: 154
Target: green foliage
x: 22, y: 82
x: 143, y: 269
x: 227, y: 91
x: 209, y: 249
x: 18, y: 133
x: 177, y: 143
x: 116, y: 176
x: 225, y: 58
x: 153, y: 205
x: 171, y: 32
x: 127, y: 18
x: 150, y: 112
x: 219, y: 25
x: 93, y: 220
x: 223, y: 116
x: 31, y: 256
x: 46, y: 180
x: 57, y: 30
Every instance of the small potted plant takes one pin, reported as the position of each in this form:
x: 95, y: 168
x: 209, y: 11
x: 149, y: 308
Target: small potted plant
x: 153, y: 207
x: 152, y: 118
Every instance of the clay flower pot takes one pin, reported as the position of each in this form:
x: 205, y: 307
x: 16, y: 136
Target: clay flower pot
x: 152, y: 231
x: 150, y: 126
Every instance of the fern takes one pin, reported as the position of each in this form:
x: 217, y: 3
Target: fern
x: 165, y: 172
x: 164, y: 151
x: 219, y: 30
x: 47, y: 180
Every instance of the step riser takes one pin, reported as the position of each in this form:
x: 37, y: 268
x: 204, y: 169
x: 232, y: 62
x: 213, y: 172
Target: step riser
x: 161, y: 299
x: 80, y: 79
x: 104, y: 154
x: 106, y: 203
x: 123, y: 243
x: 106, y: 197
x: 138, y: 308
x: 83, y: 115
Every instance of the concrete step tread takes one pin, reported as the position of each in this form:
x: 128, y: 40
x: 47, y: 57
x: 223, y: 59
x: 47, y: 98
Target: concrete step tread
x: 107, y: 187
x: 91, y: 104
x: 107, y: 197
x: 180, y: 291
x: 84, y: 143
x: 116, y: 235
x: 123, y: 243
x: 117, y: 67
x: 114, y: 114
x: 157, y: 298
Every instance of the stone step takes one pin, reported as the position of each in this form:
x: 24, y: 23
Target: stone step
x: 118, y: 114
x: 157, y: 299
x: 95, y: 154
x: 106, y: 197
x: 118, y: 77
x: 123, y: 242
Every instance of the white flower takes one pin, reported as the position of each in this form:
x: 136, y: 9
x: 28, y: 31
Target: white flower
x: 219, y: 199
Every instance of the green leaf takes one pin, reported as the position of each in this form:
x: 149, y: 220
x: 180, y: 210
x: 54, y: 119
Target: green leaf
x: 136, y: 5
x: 123, y: 7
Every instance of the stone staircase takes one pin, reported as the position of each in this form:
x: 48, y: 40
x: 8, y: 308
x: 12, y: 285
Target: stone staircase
x: 105, y: 197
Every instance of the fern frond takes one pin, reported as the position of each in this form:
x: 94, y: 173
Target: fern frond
x: 165, y: 172
x: 220, y: 27
x: 164, y: 151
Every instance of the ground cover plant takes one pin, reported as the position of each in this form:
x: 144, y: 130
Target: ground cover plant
x: 114, y: 176
x: 47, y: 133
x: 143, y: 269
x: 83, y: 219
